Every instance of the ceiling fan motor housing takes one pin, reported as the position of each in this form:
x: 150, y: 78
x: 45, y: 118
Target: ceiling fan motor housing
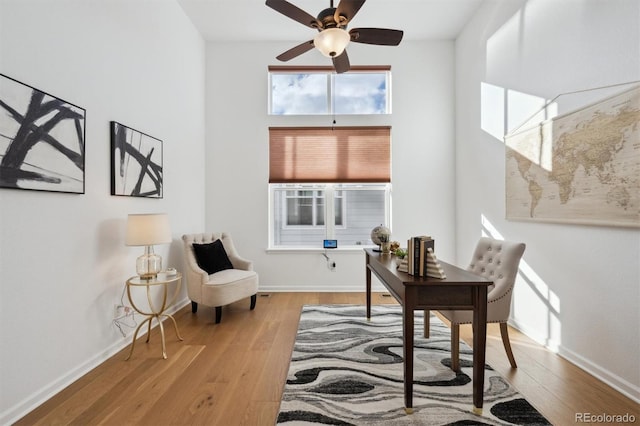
x: 327, y: 18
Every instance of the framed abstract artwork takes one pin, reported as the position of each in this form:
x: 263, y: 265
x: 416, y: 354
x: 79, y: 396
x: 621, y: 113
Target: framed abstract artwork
x: 136, y: 163
x: 42, y: 140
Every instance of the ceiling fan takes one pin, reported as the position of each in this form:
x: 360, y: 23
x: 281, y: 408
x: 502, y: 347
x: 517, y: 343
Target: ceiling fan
x: 332, y: 37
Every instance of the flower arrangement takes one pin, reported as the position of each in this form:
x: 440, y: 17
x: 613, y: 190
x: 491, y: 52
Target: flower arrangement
x: 401, y: 253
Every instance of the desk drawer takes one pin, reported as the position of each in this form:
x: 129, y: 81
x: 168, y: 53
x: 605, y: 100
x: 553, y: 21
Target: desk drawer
x: 451, y: 297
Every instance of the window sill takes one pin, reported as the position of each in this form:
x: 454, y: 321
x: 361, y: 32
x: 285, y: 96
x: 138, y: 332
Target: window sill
x: 308, y: 250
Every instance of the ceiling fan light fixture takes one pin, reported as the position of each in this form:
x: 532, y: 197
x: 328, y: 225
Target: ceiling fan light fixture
x: 332, y: 41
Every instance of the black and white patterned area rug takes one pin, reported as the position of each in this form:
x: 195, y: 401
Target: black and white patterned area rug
x: 346, y: 370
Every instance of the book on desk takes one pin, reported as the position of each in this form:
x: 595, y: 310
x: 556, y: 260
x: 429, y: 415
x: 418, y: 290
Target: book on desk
x: 421, y: 258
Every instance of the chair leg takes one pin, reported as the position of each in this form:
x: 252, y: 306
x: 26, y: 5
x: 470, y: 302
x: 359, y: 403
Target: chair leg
x: 253, y: 301
x: 455, y: 347
x: 218, y: 314
x: 507, y: 345
x: 194, y: 307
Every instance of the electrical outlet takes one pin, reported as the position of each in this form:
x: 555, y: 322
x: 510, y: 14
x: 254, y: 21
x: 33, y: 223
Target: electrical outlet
x: 120, y: 311
x: 331, y: 265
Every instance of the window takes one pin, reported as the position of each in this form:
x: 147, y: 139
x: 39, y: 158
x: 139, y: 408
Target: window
x: 328, y: 183
x: 319, y: 90
x: 351, y: 212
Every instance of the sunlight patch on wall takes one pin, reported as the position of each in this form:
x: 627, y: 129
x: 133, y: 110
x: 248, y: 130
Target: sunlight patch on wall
x: 524, y: 109
x: 504, y: 110
x: 521, y: 121
x: 536, y: 308
x: 488, y: 230
x: 492, y: 110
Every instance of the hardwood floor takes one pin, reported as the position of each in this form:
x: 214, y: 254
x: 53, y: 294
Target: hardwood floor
x: 233, y: 373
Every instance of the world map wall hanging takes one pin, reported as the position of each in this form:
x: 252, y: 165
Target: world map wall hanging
x: 581, y: 167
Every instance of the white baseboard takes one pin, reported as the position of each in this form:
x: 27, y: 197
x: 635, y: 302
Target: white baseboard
x: 616, y: 382
x: 30, y: 403
x: 322, y: 289
x: 534, y: 334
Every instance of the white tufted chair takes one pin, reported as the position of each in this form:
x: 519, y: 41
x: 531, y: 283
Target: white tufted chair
x: 223, y: 287
x: 498, y: 261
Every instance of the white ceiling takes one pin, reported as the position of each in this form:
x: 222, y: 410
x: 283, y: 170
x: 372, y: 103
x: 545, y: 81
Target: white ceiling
x: 250, y: 20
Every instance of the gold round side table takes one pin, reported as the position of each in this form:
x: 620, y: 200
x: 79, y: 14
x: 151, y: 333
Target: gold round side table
x: 163, y: 282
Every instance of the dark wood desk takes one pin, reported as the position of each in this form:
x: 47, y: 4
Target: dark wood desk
x: 460, y: 290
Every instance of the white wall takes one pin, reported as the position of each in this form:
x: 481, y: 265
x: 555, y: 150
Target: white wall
x: 580, y: 287
x: 237, y: 154
x: 63, y: 262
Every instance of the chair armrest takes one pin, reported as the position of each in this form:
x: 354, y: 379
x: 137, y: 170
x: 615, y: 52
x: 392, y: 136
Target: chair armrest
x: 241, y: 263
x: 194, y: 272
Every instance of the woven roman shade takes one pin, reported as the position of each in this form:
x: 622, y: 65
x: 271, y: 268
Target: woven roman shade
x: 329, y: 155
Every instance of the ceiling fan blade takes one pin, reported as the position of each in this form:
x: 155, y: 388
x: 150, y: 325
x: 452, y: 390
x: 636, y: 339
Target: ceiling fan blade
x: 348, y: 9
x: 295, y: 51
x: 379, y: 36
x: 341, y: 63
x: 294, y: 12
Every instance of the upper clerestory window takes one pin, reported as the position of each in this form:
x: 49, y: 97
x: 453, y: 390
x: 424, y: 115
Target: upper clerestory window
x: 321, y: 91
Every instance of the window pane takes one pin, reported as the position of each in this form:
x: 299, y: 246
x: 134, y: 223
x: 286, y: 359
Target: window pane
x: 298, y: 234
x: 320, y: 208
x: 338, y: 196
x: 323, y: 92
x: 364, y: 209
x: 299, y: 208
x: 298, y: 213
x: 299, y: 94
x: 360, y: 93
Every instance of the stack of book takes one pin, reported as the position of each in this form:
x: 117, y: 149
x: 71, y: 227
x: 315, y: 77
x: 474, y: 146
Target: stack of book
x: 416, y: 251
x: 421, y: 260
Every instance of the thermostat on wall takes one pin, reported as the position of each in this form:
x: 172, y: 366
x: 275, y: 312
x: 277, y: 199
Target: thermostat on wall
x: 328, y: 244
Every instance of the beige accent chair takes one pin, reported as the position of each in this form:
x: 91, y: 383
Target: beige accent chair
x: 223, y: 287
x: 498, y: 261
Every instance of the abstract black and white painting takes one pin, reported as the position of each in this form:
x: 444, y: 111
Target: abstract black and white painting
x: 42, y: 140
x: 136, y: 163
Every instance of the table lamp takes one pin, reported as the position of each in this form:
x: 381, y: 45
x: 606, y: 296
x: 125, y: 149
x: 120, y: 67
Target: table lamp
x: 147, y: 230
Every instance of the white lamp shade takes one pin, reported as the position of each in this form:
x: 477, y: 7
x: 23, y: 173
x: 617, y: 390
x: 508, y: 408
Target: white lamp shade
x: 332, y: 41
x: 148, y: 229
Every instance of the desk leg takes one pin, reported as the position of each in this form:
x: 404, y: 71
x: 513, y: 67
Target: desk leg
x: 479, y: 346
x: 368, y: 288
x: 407, y: 334
x: 427, y: 323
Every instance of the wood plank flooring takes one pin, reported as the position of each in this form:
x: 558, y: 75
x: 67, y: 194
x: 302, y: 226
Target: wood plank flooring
x: 233, y: 373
